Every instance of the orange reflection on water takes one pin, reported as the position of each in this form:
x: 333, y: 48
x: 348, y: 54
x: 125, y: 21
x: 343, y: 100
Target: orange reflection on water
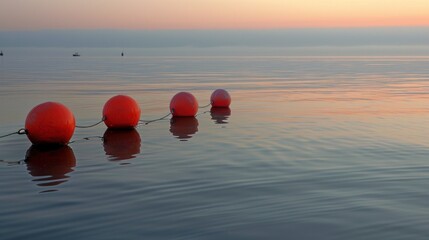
x: 220, y: 115
x: 121, y: 144
x: 53, y: 164
x: 183, y: 128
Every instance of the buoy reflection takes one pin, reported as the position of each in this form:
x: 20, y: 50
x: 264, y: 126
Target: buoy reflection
x: 183, y: 127
x: 220, y: 115
x: 50, y: 165
x: 121, y: 144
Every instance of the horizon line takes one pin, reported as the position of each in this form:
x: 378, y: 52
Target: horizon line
x: 222, y: 29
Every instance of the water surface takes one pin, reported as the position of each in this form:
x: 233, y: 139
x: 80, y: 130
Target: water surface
x: 311, y: 147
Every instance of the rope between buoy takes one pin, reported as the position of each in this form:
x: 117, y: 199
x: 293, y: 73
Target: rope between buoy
x: 202, y: 113
x: 12, y: 162
x: 146, y: 122
x: 205, y: 105
x: 19, y: 132
x: 85, y: 139
x: 93, y: 125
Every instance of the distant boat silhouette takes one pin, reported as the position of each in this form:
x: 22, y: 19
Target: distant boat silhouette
x: 122, y: 54
x: 1, y: 53
x: 76, y: 54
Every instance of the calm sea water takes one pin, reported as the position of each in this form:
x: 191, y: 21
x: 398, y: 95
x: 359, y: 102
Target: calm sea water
x: 311, y: 148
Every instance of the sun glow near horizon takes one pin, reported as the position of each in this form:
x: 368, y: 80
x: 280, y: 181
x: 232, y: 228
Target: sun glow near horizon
x: 220, y: 14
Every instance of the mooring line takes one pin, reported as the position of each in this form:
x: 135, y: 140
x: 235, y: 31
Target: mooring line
x: 93, y: 125
x: 12, y: 162
x: 21, y: 131
x: 85, y: 139
x: 205, y: 105
x: 146, y: 122
x: 202, y: 113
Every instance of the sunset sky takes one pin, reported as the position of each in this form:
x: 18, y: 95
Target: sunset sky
x: 210, y: 14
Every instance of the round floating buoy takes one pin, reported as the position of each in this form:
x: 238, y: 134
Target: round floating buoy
x: 50, y: 123
x: 121, y: 112
x: 220, y: 98
x: 183, y: 104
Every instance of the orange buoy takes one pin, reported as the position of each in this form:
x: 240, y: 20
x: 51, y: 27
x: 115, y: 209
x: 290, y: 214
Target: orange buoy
x: 183, y: 104
x: 50, y: 123
x: 121, y: 112
x: 220, y: 98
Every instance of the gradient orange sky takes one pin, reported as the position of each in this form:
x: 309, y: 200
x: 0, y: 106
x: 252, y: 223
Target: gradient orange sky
x: 209, y: 14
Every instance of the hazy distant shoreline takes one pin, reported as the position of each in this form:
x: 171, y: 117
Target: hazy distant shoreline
x: 211, y: 52
x: 321, y: 37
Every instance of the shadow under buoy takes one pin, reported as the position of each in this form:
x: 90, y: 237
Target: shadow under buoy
x: 183, y: 128
x: 121, y: 144
x: 50, y: 165
x: 220, y: 115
